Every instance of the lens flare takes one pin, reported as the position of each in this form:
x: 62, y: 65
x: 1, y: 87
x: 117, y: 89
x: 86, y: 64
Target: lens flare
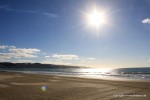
x: 43, y: 88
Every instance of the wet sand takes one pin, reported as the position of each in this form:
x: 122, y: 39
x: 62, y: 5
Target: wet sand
x: 19, y: 86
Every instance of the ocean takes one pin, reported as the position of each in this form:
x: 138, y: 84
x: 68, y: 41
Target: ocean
x: 98, y: 73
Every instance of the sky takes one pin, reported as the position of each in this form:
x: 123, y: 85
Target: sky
x: 58, y: 32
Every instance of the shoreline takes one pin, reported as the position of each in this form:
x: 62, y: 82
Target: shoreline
x: 85, y: 77
x: 16, y: 85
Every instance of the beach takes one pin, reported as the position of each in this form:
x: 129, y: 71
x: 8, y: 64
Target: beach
x: 21, y: 86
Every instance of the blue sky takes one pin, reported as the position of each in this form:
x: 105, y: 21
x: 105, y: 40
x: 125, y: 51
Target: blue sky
x: 57, y: 32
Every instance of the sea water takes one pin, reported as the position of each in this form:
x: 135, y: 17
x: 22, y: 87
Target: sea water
x: 98, y: 73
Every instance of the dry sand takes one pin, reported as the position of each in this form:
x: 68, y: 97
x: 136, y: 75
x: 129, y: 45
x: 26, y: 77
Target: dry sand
x: 19, y: 86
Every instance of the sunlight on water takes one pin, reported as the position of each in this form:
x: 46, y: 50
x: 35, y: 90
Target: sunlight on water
x: 94, y: 71
x: 111, y: 74
x: 98, y: 73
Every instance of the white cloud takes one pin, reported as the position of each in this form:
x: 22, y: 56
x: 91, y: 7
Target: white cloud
x: 5, y: 56
x: 65, y: 56
x: 6, y: 47
x: 90, y: 58
x: 12, y: 47
x: 16, y: 55
x: 47, y: 56
x: 69, y: 59
x: 25, y: 50
x: 146, y: 21
x: 24, y: 55
x: 56, y: 61
x: 3, y: 46
x: 13, y: 52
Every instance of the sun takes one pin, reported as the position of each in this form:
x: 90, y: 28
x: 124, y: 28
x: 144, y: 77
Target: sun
x: 96, y: 18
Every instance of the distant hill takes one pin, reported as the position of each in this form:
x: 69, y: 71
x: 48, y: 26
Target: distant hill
x: 34, y: 65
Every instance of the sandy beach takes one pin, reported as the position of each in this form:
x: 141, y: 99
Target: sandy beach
x: 19, y: 86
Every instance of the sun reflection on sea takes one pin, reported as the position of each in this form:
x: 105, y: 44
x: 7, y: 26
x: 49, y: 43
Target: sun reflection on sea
x: 96, y: 70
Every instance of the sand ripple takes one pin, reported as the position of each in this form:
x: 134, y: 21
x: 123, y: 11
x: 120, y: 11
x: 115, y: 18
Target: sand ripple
x: 3, y: 86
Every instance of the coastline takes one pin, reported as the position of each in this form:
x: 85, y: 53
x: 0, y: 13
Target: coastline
x: 15, y: 86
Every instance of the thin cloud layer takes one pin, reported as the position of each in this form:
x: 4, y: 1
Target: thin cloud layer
x: 25, y: 50
x: 8, y: 8
x: 65, y: 56
x: 52, y: 15
x: 4, y: 6
x: 90, y: 58
x: 146, y: 21
x: 47, y: 56
x: 56, y: 61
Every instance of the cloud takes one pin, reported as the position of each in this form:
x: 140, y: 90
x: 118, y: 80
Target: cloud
x: 146, y: 21
x: 56, y: 61
x: 13, y: 52
x: 65, y: 56
x: 24, y: 50
x: 69, y: 59
x: 3, y: 46
x: 4, y: 6
x: 47, y: 56
x: 52, y: 15
x: 90, y: 58
x: 23, y: 61
x: 5, y: 56
x: 6, y: 47
x: 8, y: 8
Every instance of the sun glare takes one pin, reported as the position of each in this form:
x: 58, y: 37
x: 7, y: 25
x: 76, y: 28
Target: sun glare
x: 96, y: 18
